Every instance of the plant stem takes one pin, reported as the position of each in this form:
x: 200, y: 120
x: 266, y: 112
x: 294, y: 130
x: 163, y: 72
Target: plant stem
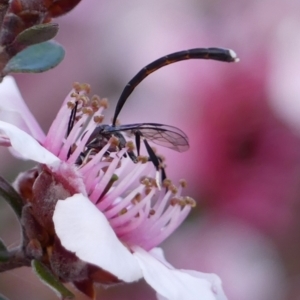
x: 16, y: 259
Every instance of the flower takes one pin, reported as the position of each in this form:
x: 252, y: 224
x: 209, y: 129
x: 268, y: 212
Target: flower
x: 90, y: 214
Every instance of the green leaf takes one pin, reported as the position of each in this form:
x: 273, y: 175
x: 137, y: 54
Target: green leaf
x: 4, y: 254
x: 49, y: 279
x: 2, y: 246
x: 3, y: 298
x: 11, y: 196
x: 36, y: 58
x: 35, y: 35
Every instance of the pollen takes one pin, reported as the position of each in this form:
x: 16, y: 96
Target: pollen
x: 167, y: 183
x: 76, y: 86
x: 83, y: 99
x: 142, y: 159
x: 149, y: 182
x: 70, y: 104
x: 95, y: 103
x: 137, y: 199
x: 130, y: 146
x: 123, y: 211
x: 183, y: 183
x: 114, y: 141
x: 104, y: 103
x: 190, y: 201
x: 87, y: 110
x: 98, y: 119
x: 144, y: 180
x: 82, y: 87
x: 151, y: 212
x: 172, y: 188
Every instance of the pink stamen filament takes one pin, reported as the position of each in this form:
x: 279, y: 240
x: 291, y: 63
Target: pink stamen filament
x: 158, y: 237
x: 132, y: 225
x: 107, y: 176
x: 73, y: 136
x: 125, y: 183
x: 95, y: 160
x: 132, y: 212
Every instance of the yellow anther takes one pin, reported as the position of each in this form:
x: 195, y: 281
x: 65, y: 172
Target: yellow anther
x: 151, y: 212
x: 123, y: 211
x: 87, y: 111
x: 103, y: 102
x: 190, y: 201
x: 98, y: 119
x: 166, y: 183
x: 130, y: 146
x: 183, y: 183
x: 142, y: 159
x: 114, y: 141
x: 70, y: 104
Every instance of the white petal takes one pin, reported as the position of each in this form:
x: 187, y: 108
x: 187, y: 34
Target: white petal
x: 172, y: 284
x: 84, y: 230
x: 14, y: 110
x: 25, y: 145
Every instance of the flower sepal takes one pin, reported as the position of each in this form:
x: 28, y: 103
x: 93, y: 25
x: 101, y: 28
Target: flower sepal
x: 47, y: 277
x: 4, y: 254
x: 11, y: 197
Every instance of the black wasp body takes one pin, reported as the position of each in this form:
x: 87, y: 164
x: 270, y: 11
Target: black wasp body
x: 160, y: 134
x: 164, y: 135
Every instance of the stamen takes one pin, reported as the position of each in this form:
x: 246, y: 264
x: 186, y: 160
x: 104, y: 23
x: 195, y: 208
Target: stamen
x: 143, y: 159
x: 95, y: 102
x: 104, y: 103
x: 173, y: 188
x: 82, y: 87
x: 137, y: 198
x: 143, y: 206
x: 114, y: 141
x: 113, y: 179
x: 130, y: 146
x: 122, y: 186
x: 87, y: 110
x: 105, y: 179
x: 123, y: 211
x: 152, y: 212
x: 98, y: 119
x: 183, y: 183
x: 125, y: 202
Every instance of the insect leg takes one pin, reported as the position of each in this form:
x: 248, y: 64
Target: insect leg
x: 138, y: 141
x: 156, y: 162
x: 71, y: 123
x: 122, y: 144
x: 72, y: 118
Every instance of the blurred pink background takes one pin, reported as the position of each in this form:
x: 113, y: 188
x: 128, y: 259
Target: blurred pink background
x: 243, y: 166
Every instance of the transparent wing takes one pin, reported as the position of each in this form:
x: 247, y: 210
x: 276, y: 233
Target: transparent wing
x: 160, y: 134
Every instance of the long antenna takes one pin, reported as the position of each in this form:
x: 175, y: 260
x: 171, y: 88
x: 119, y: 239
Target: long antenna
x: 219, y: 54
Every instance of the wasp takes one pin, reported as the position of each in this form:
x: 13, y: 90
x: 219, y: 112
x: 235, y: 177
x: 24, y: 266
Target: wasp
x: 161, y: 134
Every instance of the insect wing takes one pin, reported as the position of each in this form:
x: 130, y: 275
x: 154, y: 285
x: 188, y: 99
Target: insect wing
x: 160, y: 134
x: 167, y: 136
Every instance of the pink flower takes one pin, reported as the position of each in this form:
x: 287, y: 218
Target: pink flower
x: 96, y: 216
